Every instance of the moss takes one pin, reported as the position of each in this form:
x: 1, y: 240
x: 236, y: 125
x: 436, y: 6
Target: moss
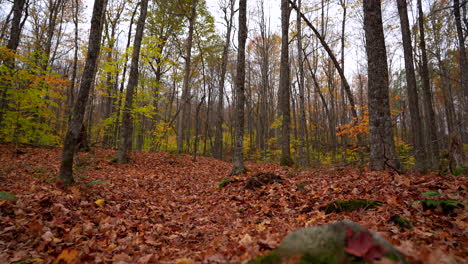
x: 287, y: 161
x: 225, y: 181
x: 349, y: 206
x: 402, y: 222
x: 271, y: 258
x: 301, y: 186
x: 447, y: 205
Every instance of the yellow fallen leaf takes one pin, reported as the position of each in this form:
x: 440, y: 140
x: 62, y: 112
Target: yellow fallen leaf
x: 67, y: 255
x: 261, y: 227
x: 99, y: 202
x: 31, y: 260
x: 183, y: 261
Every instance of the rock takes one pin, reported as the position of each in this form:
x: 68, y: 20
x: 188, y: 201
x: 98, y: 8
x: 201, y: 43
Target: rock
x: 338, y: 243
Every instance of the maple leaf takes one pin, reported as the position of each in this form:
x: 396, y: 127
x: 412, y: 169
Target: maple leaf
x: 362, y: 245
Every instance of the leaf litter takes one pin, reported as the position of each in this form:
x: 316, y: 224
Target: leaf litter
x: 165, y: 208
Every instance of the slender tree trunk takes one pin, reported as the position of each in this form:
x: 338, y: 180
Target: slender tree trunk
x: 124, y: 73
x: 76, y: 123
x: 127, y: 119
x: 183, y: 118
x: 302, y: 115
x: 344, y: 138
x: 412, y: 91
x: 382, y: 146
x: 238, y: 158
x: 218, y: 145
x: 432, y: 142
x: 462, y: 51
x: 71, y: 94
x: 284, y: 91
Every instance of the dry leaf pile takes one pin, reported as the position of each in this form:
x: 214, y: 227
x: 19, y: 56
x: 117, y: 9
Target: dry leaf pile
x: 165, y: 208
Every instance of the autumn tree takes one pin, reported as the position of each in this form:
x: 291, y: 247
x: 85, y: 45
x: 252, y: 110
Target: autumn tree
x: 127, y: 120
x: 183, y: 117
x: 228, y: 11
x: 432, y: 142
x: 13, y: 42
x: 284, y: 89
x: 238, y: 158
x: 76, y: 122
x: 382, y: 146
x: 413, y: 102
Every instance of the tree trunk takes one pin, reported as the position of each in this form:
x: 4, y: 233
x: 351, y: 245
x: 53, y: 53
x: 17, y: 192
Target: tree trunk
x: 127, y: 119
x: 218, y: 145
x: 238, y: 158
x: 412, y: 91
x: 76, y: 123
x: 462, y: 51
x: 284, y: 92
x: 302, y: 115
x: 183, y: 118
x: 382, y: 147
x: 432, y: 143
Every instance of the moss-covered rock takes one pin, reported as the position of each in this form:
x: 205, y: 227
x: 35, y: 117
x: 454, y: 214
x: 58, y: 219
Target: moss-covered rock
x: 349, y: 206
x: 329, y: 244
x: 227, y: 180
x: 402, y: 222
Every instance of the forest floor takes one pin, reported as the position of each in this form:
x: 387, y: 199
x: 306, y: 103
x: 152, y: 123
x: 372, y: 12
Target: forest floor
x: 165, y: 208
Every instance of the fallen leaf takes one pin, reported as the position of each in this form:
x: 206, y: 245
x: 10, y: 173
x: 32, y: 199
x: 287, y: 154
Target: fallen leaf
x: 99, y: 202
x: 67, y: 255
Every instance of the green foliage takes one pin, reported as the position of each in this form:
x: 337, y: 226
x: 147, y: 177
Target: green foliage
x: 286, y: 161
x: 431, y: 194
x: 32, y: 95
x: 7, y: 196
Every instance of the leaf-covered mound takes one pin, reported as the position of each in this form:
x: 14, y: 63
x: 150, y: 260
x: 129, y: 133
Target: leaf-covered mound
x: 164, y: 208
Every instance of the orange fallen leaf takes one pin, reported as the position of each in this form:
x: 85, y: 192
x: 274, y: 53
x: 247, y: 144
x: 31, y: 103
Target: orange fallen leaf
x: 67, y: 255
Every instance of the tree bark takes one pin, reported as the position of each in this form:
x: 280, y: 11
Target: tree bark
x: 218, y: 145
x: 183, y: 118
x: 412, y: 91
x: 238, y: 158
x: 432, y: 142
x: 302, y: 115
x: 462, y: 51
x: 76, y: 123
x: 127, y: 119
x: 284, y: 91
x: 382, y: 146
